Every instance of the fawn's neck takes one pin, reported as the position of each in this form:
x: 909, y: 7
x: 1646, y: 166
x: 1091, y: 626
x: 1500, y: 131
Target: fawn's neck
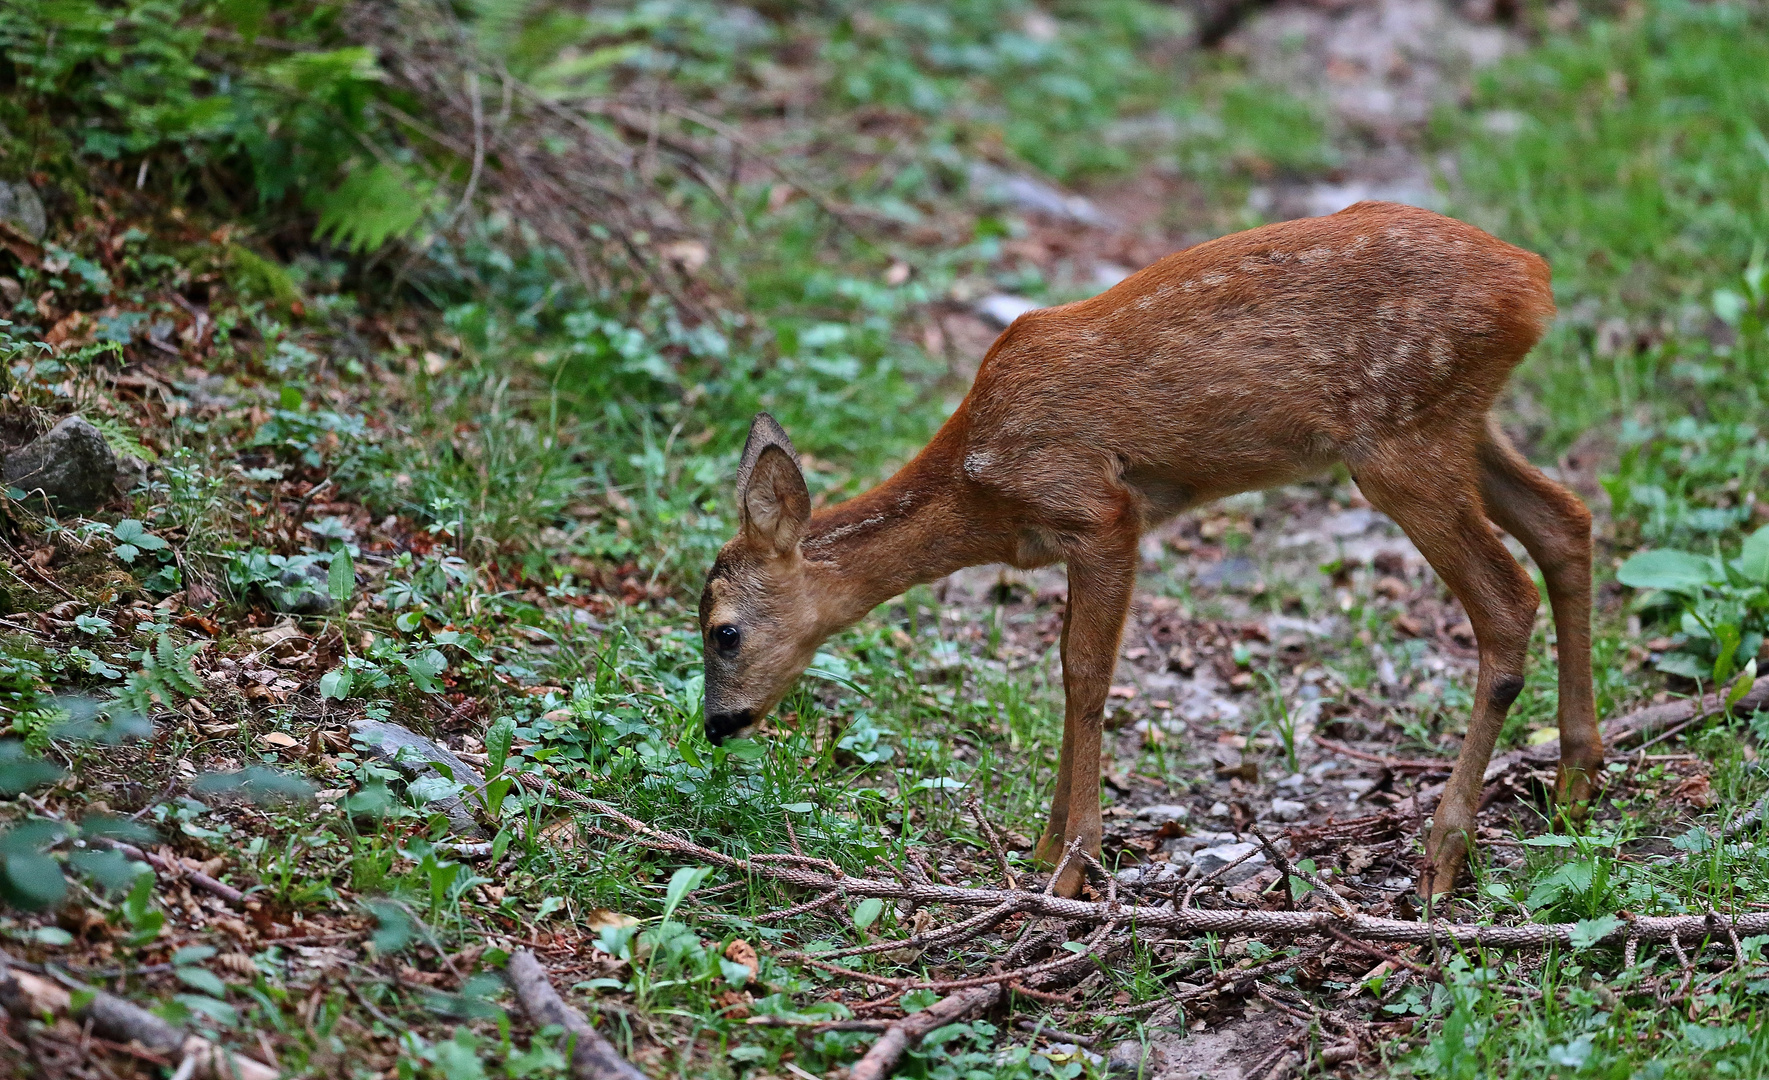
x: 918, y: 526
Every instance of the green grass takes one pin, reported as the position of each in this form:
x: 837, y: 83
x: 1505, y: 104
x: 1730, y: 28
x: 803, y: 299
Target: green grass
x: 566, y: 461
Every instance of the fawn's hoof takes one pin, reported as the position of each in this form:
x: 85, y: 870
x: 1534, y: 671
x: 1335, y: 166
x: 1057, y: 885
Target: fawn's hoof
x: 1575, y: 787
x: 1446, y: 855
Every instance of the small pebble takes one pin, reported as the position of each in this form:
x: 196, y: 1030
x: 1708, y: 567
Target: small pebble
x: 1288, y: 809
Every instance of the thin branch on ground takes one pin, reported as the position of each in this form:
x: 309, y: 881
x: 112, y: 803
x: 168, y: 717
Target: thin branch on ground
x: 593, y: 1057
x: 28, y: 996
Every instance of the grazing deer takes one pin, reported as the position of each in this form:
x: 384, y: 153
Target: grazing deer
x: 1378, y: 337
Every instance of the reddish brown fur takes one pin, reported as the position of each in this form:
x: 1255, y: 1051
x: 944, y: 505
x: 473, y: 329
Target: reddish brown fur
x: 1379, y: 337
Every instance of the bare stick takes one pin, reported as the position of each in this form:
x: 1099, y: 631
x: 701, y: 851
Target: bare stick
x: 593, y: 1057
x: 994, y: 840
x: 1383, y: 954
x: 1284, y: 868
x: 28, y: 996
x: 881, y: 1060
x: 1187, y: 920
x: 195, y: 877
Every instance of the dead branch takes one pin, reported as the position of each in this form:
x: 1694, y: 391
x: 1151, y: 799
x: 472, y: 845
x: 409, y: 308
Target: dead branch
x: 195, y: 877
x: 29, y: 997
x: 593, y: 1057
x: 1185, y: 921
x: 1639, y: 724
x: 882, y: 1058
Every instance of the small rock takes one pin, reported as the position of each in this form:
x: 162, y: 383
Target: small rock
x: 417, y: 758
x: 1293, y: 782
x: 1210, y: 860
x: 1162, y: 813
x: 23, y: 210
x: 1034, y: 196
x: 1196, y: 841
x: 70, y: 464
x: 1106, y: 275
x: 1237, y: 572
x: 1002, y: 309
x: 1219, y: 809
x: 1134, y: 1059
x: 1153, y: 873
x: 1288, y: 809
x: 1353, y: 522
x: 303, y: 589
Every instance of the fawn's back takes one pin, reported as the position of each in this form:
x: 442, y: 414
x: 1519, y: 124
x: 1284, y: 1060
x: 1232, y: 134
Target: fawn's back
x: 1255, y: 359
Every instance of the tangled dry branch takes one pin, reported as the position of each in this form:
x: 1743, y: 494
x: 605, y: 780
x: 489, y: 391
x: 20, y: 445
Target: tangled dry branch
x: 1181, y: 921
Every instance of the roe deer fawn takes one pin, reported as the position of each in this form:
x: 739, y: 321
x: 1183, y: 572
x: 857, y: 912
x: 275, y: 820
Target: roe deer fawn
x: 1378, y: 337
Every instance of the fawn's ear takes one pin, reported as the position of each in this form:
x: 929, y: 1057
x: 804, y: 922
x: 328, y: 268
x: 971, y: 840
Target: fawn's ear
x: 772, y: 499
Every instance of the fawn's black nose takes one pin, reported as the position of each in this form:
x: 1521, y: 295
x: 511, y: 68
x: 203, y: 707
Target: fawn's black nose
x: 720, y: 726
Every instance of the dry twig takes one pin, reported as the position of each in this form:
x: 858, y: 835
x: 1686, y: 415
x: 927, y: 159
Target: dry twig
x: 28, y: 997
x: 593, y: 1057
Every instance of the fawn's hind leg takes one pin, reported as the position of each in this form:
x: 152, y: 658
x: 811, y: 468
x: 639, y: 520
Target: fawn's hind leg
x: 1555, y: 527
x: 1430, y: 487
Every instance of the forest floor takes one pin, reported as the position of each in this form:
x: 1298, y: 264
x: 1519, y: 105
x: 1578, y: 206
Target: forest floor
x: 347, y: 525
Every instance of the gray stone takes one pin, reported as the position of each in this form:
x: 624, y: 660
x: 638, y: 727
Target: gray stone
x: 1155, y: 873
x: 1161, y: 813
x: 1288, y: 809
x: 1035, y: 196
x: 1001, y: 309
x: 303, y: 590
x: 1210, y: 860
x: 1236, y: 572
x: 70, y: 464
x: 22, y: 209
x: 1134, y: 1059
x: 417, y: 758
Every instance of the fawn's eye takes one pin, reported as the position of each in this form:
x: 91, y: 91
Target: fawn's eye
x: 726, y: 637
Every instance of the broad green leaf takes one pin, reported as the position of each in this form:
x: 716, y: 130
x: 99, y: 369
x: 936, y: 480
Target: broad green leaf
x: 336, y: 683
x: 429, y: 789
x: 33, y: 881
x: 395, y: 931
x: 1549, y: 840
x: 498, y: 738
x: 495, y: 791
x: 736, y: 974
x: 219, y: 1011
x: 1588, y: 932
x: 424, y: 667
x: 1746, y: 679
x: 341, y: 578
x: 867, y: 911
x: 22, y: 771
x: 112, y: 870
x: 1754, y: 560
x: 1667, y: 569
x: 682, y: 882
x: 202, y: 979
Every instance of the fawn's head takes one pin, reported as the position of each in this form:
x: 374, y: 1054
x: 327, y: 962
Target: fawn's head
x: 759, y: 623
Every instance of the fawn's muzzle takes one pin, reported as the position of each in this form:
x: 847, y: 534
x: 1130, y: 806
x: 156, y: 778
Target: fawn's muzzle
x: 720, y: 726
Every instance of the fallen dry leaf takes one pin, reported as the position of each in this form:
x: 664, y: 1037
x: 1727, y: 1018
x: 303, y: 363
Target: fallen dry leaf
x: 742, y: 952
x: 1695, y: 791
x: 601, y: 919
x: 280, y: 740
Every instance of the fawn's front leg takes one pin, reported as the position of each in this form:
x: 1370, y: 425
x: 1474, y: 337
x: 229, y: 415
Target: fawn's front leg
x: 1100, y: 587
